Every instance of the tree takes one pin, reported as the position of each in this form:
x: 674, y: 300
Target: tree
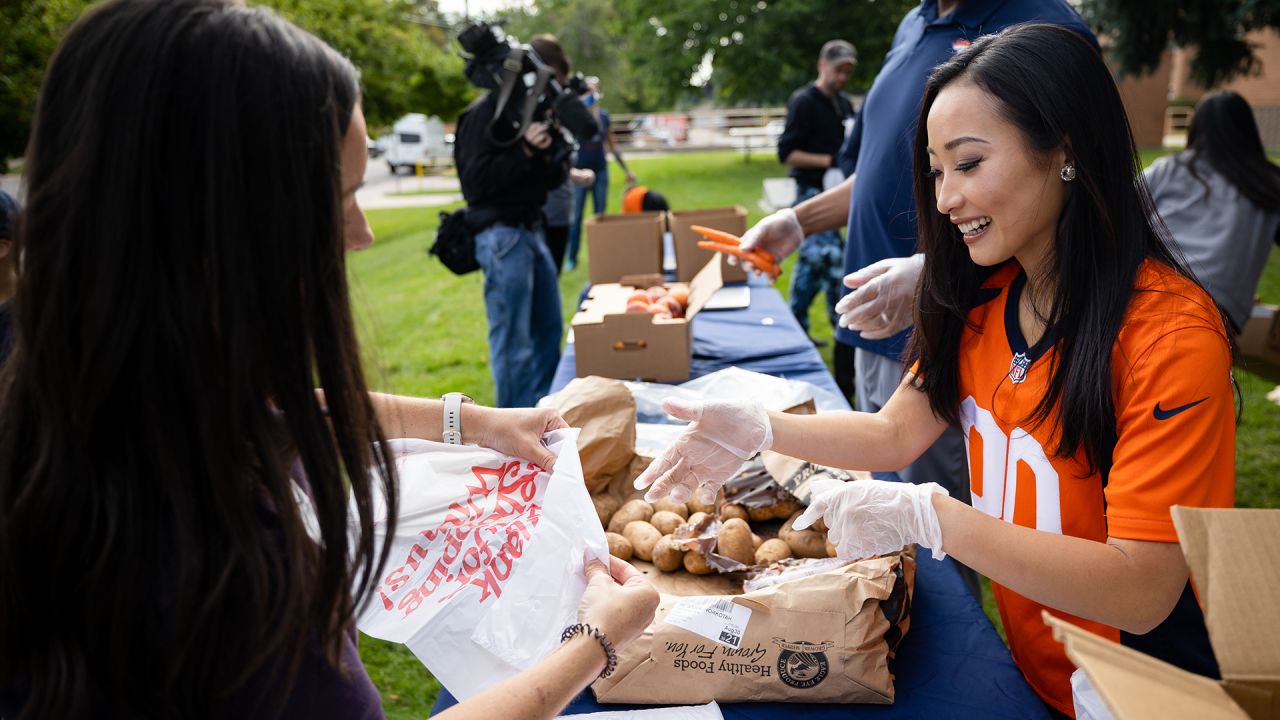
x: 757, y: 50
x: 402, y: 52
x: 1143, y: 29
x: 404, y: 60
x: 29, y: 32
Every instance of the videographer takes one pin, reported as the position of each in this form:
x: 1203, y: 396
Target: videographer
x: 506, y: 184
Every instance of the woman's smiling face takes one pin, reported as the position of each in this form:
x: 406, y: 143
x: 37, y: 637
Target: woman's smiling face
x: 1003, y: 196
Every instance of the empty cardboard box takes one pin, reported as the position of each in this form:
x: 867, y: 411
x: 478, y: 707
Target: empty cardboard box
x: 622, y: 248
x: 1233, y: 559
x: 611, y: 342
x: 690, y: 258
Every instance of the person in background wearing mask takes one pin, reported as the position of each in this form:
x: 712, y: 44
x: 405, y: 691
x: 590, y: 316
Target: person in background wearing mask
x: 817, y: 115
x: 591, y: 156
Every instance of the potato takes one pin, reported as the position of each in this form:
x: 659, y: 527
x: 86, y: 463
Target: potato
x: 666, y: 521
x: 619, y: 546
x: 667, y: 554
x: 803, y: 543
x: 756, y: 541
x: 772, y: 551
x: 633, y: 510
x: 784, y: 509
x: 734, y: 541
x: 831, y: 549
x: 643, y: 537
x: 696, y: 505
x: 733, y: 510
x: 606, y: 506
x: 697, y: 523
x: 695, y: 563
x: 669, y: 505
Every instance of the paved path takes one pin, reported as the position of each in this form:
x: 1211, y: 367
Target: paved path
x: 381, y: 188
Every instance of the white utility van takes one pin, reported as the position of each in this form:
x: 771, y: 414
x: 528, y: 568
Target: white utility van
x: 417, y: 139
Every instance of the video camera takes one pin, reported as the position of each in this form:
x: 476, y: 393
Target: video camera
x: 527, y: 89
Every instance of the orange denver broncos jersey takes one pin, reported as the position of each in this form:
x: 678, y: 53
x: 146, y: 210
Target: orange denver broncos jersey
x: 1175, y: 420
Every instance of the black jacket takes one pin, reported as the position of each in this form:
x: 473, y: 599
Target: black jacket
x: 502, y: 178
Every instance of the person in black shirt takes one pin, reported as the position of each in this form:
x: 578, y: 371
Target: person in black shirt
x: 521, y: 292
x: 817, y: 115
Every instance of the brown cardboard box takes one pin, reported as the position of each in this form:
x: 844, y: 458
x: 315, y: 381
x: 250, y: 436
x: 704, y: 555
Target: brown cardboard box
x: 1233, y: 556
x: 689, y: 257
x: 1260, y: 342
x: 611, y: 342
x: 624, y: 247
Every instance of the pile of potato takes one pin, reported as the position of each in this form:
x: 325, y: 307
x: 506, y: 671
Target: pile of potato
x: 664, y: 533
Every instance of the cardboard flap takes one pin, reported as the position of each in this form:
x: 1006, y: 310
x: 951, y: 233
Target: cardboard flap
x: 1234, y: 556
x: 704, y: 285
x: 1139, y: 687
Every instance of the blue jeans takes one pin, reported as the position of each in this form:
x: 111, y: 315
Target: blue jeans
x: 819, y: 267
x: 599, y: 198
x: 522, y: 301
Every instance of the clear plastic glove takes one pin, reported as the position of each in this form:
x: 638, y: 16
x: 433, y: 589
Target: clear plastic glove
x: 873, y: 517
x: 779, y: 233
x: 883, y: 299
x: 721, y: 436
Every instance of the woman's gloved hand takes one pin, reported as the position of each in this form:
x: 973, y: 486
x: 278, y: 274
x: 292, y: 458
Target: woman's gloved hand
x: 720, y: 437
x: 866, y: 518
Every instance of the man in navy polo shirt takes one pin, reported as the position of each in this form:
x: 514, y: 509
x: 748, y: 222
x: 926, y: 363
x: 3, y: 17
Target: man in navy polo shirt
x: 878, y: 204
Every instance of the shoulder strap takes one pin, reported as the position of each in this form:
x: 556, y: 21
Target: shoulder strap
x: 511, y: 69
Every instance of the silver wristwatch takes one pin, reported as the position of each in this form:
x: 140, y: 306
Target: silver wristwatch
x: 453, y: 417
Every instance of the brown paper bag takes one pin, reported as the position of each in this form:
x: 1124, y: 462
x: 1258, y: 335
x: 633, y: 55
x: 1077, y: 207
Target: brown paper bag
x: 822, y: 639
x: 605, y: 411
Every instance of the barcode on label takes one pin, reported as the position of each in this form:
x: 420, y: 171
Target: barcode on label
x: 723, y: 605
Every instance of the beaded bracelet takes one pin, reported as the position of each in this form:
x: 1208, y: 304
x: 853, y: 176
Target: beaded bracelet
x: 611, y: 657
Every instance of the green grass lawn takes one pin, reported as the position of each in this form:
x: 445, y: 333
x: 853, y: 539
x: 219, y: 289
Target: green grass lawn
x: 423, y: 330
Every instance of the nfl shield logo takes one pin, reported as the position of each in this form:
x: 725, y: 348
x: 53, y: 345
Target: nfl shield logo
x: 1018, y: 368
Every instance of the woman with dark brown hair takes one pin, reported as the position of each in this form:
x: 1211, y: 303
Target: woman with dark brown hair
x: 185, y: 360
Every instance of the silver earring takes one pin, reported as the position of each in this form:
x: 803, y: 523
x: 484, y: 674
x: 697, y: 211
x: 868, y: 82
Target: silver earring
x: 1068, y: 172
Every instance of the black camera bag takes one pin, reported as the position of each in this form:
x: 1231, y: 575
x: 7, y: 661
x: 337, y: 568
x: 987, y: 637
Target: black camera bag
x: 455, y: 243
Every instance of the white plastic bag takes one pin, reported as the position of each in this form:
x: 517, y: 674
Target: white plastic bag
x: 1089, y: 705
x: 486, y: 566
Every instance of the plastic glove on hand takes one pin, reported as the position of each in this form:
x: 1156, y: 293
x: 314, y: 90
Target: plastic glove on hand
x: 728, y: 243
x: 866, y: 518
x: 883, y: 299
x: 721, y: 436
x: 778, y: 234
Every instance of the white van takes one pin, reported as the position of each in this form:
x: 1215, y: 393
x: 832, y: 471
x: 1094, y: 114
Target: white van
x: 417, y: 139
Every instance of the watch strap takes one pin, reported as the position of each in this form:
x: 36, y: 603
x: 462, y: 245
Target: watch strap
x: 452, y: 431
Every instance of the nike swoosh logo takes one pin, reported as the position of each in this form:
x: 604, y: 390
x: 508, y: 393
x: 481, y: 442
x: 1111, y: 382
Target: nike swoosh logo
x: 1166, y: 414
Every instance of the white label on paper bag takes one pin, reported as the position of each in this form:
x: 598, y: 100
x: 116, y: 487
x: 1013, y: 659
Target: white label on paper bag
x: 715, y: 618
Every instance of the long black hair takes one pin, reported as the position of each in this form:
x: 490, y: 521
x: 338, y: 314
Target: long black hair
x: 182, y: 294
x: 1053, y: 85
x: 1224, y: 134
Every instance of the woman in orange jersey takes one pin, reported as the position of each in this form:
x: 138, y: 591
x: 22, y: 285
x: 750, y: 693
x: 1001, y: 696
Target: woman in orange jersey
x: 1088, y: 370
